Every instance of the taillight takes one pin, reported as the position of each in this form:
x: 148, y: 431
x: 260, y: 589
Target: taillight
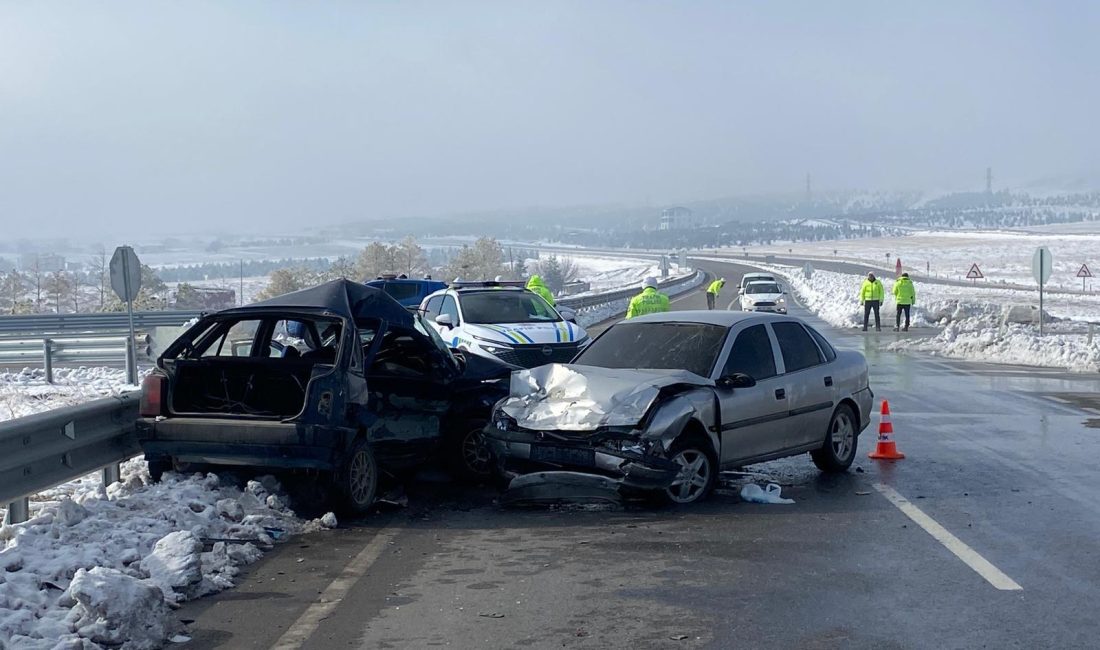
x: 152, y: 395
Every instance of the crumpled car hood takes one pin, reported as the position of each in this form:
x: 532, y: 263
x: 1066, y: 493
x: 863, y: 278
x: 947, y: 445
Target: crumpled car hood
x: 584, y: 398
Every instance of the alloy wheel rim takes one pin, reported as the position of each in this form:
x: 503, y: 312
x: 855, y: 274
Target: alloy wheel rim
x: 843, y: 436
x: 475, y: 453
x: 361, y: 476
x: 693, y: 477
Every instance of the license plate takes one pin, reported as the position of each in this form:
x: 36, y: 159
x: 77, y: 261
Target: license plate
x: 563, y: 455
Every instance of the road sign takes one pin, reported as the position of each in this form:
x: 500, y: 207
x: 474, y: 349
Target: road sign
x: 126, y: 281
x: 974, y: 273
x: 808, y: 270
x: 125, y: 273
x: 1042, y: 263
x: 1084, y: 272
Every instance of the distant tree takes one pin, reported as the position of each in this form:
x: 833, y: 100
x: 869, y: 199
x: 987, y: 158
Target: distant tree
x: 287, y: 280
x: 556, y: 272
x: 342, y: 268
x: 186, y: 296
x: 36, y: 278
x: 410, y: 258
x: 100, y: 276
x: 374, y: 260
x: 13, y: 289
x: 58, y: 286
x: 482, y: 261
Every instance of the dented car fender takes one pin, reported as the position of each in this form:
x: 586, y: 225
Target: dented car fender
x: 670, y: 418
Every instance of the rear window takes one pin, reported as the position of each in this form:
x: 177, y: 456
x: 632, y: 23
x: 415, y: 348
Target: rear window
x: 763, y: 287
x: 826, y: 347
x: 402, y: 290
x: 657, y: 346
x: 799, y: 350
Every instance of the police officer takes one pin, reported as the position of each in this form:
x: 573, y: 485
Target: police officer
x: 871, y: 295
x: 536, y: 285
x: 649, y: 301
x: 712, y: 291
x: 905, y: 295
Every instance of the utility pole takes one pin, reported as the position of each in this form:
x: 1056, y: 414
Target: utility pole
x: 989, y: 180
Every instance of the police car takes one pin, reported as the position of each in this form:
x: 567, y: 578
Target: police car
x: 504, y: 321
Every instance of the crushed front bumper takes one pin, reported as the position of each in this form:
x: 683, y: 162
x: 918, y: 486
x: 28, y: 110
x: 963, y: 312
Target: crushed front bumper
x: 520, y: 452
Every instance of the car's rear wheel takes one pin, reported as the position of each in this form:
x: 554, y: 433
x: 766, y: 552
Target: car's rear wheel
x: 157, y: 468
x: 839, y: 449
x: 358, y: 479
x: 698, y: 472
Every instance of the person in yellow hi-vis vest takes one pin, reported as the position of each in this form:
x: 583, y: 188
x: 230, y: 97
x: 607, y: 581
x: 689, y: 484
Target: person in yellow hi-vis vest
x: 712, y: 291
x: 536, y: 284
x: 905, y: 296
x: 649, y: 301
x: 871, y: 295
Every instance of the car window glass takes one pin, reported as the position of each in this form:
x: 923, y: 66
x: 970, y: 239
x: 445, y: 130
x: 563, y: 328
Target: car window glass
x: 402, y: 290
x: 406, y: 353
x: 826, y: 347
x: 659, y: 346
x: 433, y: 306
x: 799, y: 350
x: 234, y: 341
x: 751, y: 354
x: 450, y: 308
x: 507, y: 306
x: 762, y: 287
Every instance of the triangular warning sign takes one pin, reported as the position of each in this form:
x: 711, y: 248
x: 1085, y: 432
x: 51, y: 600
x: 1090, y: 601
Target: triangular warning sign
x: 975, y: 273
x: 1084, y: 272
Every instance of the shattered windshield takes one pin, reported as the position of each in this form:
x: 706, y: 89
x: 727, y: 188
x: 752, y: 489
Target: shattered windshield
x: 503, y: 306
x: 763, y: 287
x: 651, y: 346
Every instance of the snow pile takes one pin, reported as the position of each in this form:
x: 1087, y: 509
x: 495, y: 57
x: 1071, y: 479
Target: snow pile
x: 26, y: 392
x: 102, y: 566
x: 605, y: 311
x: 977, y: 324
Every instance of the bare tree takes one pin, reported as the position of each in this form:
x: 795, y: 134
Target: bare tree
x: 411, y: 258
x: 342, y: 268
x: 36, y: 278
x: 58, y: 286
x: 374, y: 260
x: 13, y: 288
x: 100, y: 275
x: 285, y: 281
x: 482, y: 261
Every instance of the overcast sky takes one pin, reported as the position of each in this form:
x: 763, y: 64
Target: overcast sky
x: 193, y: 116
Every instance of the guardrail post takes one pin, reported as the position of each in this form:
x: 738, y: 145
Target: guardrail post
x: 131, y: 361
x: 1092, y: 326
x: 47, y: 359
x: 18, y: 511
x: 112, y: 474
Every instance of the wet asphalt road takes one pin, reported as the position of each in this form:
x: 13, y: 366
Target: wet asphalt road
x: 1002, y: 458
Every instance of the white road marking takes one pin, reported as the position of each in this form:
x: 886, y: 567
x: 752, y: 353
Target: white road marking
x: 979, y: 564
x: 310, y: 620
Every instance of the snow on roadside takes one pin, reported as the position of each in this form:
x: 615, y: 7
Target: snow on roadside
x: 26, y: 392
x: 971, y: 324
x: 600, y: 313
x: 99, y: 567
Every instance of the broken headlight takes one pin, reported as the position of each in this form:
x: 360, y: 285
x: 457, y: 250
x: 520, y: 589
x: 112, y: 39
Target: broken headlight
x: 627, y: 445
x: 504, y: 422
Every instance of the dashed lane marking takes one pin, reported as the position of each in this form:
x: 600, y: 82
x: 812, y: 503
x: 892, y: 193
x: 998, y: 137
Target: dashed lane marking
x: 334, y: 593
x: 972, y: 558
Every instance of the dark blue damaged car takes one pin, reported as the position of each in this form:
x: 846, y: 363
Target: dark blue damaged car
x: 339, y: 381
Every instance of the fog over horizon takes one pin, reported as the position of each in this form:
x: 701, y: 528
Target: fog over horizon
x: 201, y: 117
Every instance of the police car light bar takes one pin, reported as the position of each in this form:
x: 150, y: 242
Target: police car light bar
x: 468, y: 284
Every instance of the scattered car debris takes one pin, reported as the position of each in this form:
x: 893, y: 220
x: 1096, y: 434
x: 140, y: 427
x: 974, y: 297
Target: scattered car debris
x: 753, y: 493
x: 546, y: 488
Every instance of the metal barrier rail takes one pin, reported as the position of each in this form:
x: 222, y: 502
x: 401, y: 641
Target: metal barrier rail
x: 583, y: 302
x: 26, y: 324
x: 87, y: 349
x: 46, y: 449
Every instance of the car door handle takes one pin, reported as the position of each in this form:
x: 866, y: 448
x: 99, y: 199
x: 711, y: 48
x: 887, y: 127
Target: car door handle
x: 828, y: 381
x: 780, y: 393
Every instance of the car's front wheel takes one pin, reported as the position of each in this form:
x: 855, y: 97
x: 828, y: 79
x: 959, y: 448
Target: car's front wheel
x: 469, y: 455
x: 839, y: 449
x: 697, y: 475
x: 358, y: 478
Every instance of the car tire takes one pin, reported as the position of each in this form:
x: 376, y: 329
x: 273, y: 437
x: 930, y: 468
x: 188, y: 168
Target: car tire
x: 839, y: 449
x: 699, y: 473
x: 357, y: 479
x: 468, y: 456
x: 158, y: 467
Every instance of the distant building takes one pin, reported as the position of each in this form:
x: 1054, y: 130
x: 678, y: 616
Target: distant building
x: 192, y: 297
x: 676, y: 218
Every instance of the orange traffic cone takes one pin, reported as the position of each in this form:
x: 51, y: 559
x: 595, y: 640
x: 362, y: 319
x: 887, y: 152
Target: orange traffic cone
x: 886, y: 449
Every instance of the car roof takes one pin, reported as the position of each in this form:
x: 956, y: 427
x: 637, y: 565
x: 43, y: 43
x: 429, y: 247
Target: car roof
x: 706, y: 317
x: 762, y: 282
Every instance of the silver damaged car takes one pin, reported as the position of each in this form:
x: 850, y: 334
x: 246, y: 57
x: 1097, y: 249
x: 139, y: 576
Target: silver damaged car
x: 663, y: 402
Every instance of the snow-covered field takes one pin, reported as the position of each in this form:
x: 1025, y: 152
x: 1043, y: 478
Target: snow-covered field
x: 26, y: 392
x: 983, y: 324
x: 610, y: 274
x: 1001, y: 256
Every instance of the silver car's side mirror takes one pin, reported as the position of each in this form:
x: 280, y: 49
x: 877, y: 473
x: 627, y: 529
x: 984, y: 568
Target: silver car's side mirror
x: 736, y: 380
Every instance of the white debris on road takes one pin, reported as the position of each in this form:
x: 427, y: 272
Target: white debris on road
x: 86, y: 567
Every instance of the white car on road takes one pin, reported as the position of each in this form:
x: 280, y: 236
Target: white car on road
x: 508, y: 323
x: 764, y: 296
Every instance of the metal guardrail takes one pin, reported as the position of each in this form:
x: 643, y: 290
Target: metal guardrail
x: 85, y: 349
x: 28, y: 324
x: 584, y: 302
x: 46, y: 449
